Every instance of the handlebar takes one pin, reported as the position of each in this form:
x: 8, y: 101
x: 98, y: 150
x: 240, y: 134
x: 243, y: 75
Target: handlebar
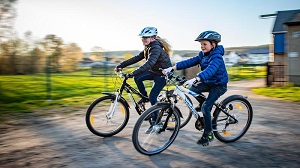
x: 123, y: 75
x: 179, y: 79
x: 170, y: 75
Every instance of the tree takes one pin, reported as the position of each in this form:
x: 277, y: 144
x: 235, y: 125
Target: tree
x: 52, y: 45
x: 11, y: 61
x: 71, y: 55
x: 96, y: 54
x: 7, y: 15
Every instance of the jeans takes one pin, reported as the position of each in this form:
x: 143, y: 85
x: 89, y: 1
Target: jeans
x: 214, y: 93
x: 159, y: 84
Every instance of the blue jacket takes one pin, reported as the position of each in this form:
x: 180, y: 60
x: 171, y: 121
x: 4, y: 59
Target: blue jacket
x: 213, y: 69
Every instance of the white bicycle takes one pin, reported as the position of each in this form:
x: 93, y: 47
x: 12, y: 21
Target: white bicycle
x: 230, y: 121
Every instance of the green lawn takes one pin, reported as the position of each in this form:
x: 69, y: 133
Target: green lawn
x: 248, y: 73
x: 288, y: 92
x: 25, y: 93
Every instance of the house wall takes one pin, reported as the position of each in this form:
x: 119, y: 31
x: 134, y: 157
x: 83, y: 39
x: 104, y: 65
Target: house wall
x: 279, y: 43
x: 279, y: 59
x: 293, y: 53
x: 278, y: 48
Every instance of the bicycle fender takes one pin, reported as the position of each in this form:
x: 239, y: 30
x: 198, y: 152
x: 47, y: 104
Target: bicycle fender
x: 232, y: 97
x: 108, y: 93
x: 164, y: 104
x: 121, y: 97
x: 227, y: 99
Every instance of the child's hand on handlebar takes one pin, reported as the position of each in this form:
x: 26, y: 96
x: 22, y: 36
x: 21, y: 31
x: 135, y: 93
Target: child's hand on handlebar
x: 191, y: 82
x: 118, y: 68
x: 167, y: 70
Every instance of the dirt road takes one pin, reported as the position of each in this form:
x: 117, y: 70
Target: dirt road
x: 63, y: 140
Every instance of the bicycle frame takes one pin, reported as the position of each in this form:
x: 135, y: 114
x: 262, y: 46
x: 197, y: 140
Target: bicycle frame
x: 180, y: 91
x: 129, y: 89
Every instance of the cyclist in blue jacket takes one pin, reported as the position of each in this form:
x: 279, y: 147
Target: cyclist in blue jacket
x: 213, y: 77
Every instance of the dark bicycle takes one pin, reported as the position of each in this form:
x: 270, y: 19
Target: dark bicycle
x: 108, y: 115
x: 231, y: 119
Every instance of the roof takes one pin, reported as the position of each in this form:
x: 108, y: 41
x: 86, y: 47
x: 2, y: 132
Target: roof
x: 282, y: 18
x: 295, y: 20
x: 259, y: 51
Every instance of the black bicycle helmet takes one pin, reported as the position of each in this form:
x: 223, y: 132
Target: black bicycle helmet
x: 209, y: 35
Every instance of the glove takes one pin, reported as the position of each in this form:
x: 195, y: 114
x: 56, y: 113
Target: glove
x: 129, y: 75
x: 190, y: 82
x: 118, y: 68
x: 167, y: 70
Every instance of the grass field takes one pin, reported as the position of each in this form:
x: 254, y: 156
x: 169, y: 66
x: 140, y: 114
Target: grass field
x: 25, y: 93
x: 289, y: 92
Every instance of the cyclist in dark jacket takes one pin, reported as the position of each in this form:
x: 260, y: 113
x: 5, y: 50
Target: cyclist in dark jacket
x: 156, y: 53
x: 155, y: 56
x: 213, y: 77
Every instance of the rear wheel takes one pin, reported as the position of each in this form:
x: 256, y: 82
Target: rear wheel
x: 160, y: 137
x: 106, y: 117
x: 229, y: 128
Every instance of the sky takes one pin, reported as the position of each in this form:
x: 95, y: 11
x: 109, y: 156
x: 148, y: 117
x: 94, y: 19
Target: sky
x: 115, y: 24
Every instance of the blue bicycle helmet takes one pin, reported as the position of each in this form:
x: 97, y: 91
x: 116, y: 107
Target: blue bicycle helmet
x: 148, y: 32
x: 209, y: 35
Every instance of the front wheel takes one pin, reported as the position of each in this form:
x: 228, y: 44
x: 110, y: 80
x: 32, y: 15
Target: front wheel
x: 106, y: 117
x: 185, y: 113
x: 159, y: 137
x: 232, y: 124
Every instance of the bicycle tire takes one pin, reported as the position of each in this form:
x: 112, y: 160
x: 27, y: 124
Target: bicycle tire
x: 226, y: 129
x: 97, y: 120
x: 155, y: 142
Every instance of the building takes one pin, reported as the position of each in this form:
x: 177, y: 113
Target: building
x: 292, y: 49
x: 286, y: 37
x: 231, y: 58
x: 258, y: 56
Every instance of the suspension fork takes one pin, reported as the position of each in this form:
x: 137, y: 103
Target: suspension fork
x: 113, y: 106
x: 117, y: 94
x: 165, y: 106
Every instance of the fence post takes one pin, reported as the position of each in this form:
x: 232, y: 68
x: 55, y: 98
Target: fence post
x: 48, y: 78
x: 268, y: 73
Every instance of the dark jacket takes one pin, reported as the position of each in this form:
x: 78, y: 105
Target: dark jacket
x: 155, y: 56
x: 213, y: 69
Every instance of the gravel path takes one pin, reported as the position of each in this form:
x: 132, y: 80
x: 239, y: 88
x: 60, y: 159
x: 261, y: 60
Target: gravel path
x: 61, y: 139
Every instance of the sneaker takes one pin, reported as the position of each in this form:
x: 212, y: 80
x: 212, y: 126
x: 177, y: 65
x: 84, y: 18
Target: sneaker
x: 204, y: 140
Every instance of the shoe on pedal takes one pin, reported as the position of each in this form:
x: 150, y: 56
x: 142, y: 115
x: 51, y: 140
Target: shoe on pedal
x: 205, y: 139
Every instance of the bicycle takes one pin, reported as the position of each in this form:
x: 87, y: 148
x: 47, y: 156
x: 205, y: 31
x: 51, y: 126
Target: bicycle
x: 108, y: 115
x: 230, y: 121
